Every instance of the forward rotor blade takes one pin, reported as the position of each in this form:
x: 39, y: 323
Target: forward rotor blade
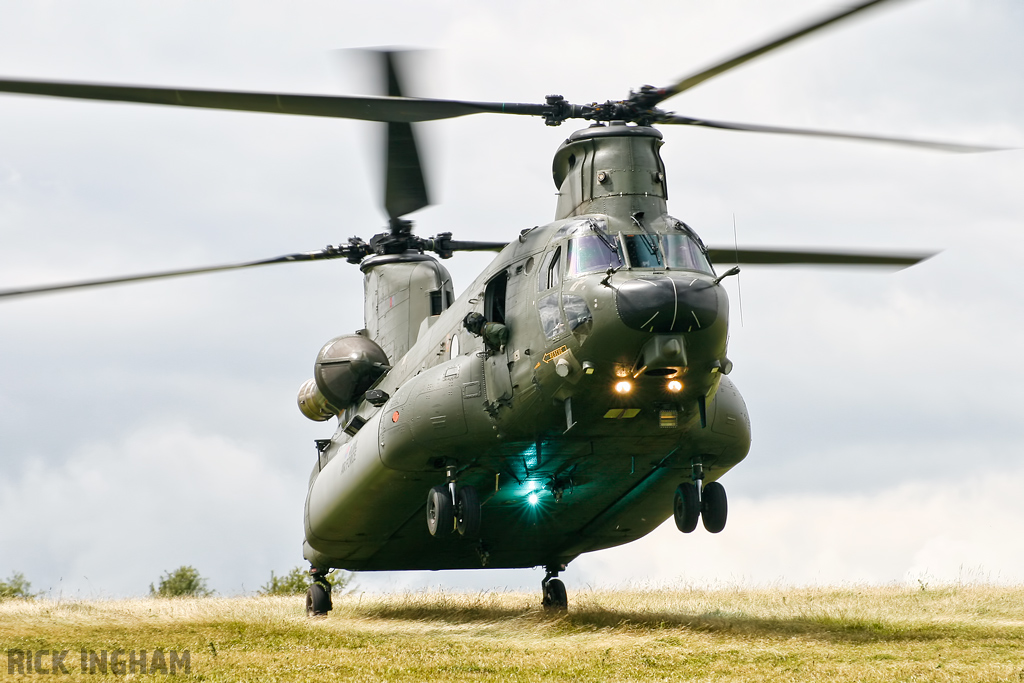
x: 788, y: 257
x: 405, y: 109
x: 755, y: 128
x: 458, y: 245
x: 325, y: 254
x: 743, y: 57
x: 405, y: 189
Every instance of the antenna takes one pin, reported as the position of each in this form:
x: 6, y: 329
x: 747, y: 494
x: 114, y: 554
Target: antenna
x: 736, y: 247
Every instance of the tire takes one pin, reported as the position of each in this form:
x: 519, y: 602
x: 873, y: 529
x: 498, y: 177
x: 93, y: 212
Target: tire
x: 440, y: 515
x: 555, y: 597
x: 467, y: 519
x: 318, y: 601
x: 715, y: 507
x: 685, y: 508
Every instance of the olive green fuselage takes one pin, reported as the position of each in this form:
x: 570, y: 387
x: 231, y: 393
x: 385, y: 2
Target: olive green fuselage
x: 578, y: 431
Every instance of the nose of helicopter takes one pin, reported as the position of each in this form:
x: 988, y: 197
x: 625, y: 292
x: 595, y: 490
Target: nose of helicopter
x: 668, y: 304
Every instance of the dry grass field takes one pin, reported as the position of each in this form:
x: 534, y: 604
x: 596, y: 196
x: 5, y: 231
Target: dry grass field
x: 972, y: 633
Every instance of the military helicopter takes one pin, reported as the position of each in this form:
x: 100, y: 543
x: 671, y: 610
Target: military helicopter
x: 589, y: 404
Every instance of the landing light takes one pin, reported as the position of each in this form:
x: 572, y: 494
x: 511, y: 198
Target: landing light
x: 623, y: 387
x: 532, y: 499
x: 675, y: 386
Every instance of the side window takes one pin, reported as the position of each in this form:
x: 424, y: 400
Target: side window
x: 542, y: 272
x: 550, y: 316
x: 555, y: 269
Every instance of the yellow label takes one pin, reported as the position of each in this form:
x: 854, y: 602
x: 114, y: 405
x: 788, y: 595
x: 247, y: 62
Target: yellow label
x: 551, y: 355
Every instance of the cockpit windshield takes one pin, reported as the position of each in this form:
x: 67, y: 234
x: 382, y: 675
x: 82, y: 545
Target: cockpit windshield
x: 683, y: 252
x: 678, y: 251
x: 593, y: 253
x: 643, y: 251
x: 592, y: 250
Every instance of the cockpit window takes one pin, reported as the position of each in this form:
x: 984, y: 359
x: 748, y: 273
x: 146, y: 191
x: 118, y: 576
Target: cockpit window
x: 643, y: 251
x: 683, y: 252
x: 594, y: 253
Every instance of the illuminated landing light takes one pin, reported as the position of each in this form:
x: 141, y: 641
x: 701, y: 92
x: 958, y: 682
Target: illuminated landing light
x: 532, y: 499
x: 675, y: 386
x: 623, y: 387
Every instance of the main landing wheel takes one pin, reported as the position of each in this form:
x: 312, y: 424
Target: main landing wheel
x: 440, y: 511
x: 686, y: 507
x: 318, y: 600
x: 467, y: 512
x: 714, y: 507
x: 555, y: 597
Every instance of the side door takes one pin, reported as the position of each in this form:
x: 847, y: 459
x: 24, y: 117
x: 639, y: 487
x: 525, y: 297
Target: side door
x: 497, y: 376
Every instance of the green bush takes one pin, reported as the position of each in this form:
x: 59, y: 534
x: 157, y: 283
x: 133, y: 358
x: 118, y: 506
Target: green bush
x: 297, y: 581
x: 15, y: 587
x: 182, y: 582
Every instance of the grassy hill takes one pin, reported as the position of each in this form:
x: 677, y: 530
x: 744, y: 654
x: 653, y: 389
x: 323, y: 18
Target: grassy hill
x: 971, y: 633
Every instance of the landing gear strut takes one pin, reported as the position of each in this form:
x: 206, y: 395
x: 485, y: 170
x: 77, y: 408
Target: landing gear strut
x: 318, y: 595
x: 555, y: 597
x: 697, y: 500
x: 451, y: 507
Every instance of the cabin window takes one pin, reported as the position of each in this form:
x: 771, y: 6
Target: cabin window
x: 594, y: 253
x: 683, y: 252
x: 453, y: 346
x: 643, y: 251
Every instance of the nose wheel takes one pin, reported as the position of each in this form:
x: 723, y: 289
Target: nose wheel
x: 694, y: 501
x: 686, y: 507
x: 714, y: 507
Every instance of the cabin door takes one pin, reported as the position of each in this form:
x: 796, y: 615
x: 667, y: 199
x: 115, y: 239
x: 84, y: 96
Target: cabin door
x: 497, y: 378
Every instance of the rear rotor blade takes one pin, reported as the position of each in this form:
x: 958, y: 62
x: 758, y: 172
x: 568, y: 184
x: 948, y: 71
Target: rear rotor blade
x: 756, y: 128
x: 743, y: 57
x: 788, y: 257
x: 405, y: 109
x: 405, y: 189
x: 324, y: 254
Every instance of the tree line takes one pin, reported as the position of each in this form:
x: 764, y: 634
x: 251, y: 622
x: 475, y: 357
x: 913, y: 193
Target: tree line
x: 186, y: 581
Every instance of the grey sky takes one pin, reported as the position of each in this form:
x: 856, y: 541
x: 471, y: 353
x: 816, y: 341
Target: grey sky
x: 151, y: 426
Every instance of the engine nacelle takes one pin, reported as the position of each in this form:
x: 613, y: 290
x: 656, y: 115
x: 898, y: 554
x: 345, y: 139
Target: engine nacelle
x: 346, y: 367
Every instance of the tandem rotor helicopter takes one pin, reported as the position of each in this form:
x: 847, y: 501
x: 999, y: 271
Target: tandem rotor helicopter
x: 572, y: 399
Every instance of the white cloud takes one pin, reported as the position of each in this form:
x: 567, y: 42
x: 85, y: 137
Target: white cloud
x: 938, y: 532
x: 115, y: 516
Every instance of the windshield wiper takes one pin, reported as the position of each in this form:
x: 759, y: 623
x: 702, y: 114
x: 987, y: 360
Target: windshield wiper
x: 605, y: 238
x: 652, y: 244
